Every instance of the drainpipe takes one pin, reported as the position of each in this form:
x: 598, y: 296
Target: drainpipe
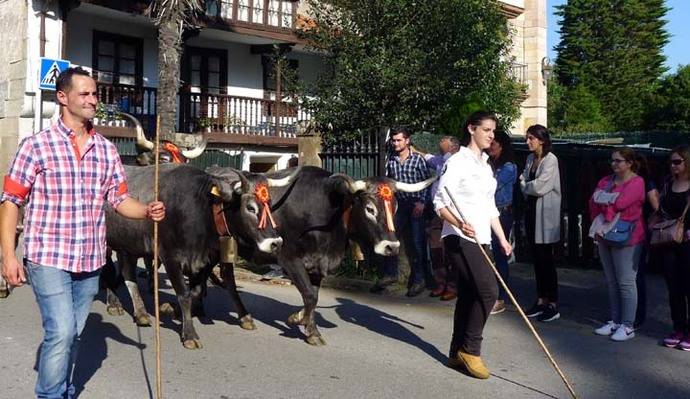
x: 38, y: 97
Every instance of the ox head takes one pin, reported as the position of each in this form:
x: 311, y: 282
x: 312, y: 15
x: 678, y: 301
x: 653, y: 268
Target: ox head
x: 370, y: 209
x: 247, y: 206
x: 169, y: 152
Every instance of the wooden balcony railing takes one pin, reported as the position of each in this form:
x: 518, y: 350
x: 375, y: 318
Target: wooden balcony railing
x: 239, y: 115
x: 276, y: 14
x: 212, y: 112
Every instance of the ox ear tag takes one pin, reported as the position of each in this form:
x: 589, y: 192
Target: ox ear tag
x: 215, y: 191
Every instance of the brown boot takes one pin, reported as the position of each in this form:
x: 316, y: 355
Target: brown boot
x: 470, y: 363
x: 448, y: 296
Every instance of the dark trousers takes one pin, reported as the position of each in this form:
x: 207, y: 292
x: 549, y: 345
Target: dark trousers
x: 676, y: 261
x: 444, y: 272
x: 545, y: 272
x: 506, y: 218
x: 414, y: 229
x: 477, y: 293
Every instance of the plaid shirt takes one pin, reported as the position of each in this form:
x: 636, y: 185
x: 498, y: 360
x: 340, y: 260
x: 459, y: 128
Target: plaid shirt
x: 414, y: 170
x: 64, y: 223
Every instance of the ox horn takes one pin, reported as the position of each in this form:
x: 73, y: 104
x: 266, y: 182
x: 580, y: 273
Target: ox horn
x: 285, y: 180
x: 141, y: 139
x: 198, y: 150
x: 352, y: 185
x: 414, y: 187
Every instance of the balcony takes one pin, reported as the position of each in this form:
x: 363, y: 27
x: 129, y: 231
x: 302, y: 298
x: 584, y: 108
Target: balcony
x: 274, y: 19
x: 229, y: 119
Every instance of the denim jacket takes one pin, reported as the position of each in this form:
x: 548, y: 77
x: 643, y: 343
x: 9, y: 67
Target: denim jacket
x: 505, y: 175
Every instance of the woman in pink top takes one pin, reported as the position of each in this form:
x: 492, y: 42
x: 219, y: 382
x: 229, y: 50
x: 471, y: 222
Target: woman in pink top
x: 620, y: 196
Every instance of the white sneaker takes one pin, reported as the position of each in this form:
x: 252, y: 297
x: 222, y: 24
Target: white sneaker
x: 623, y: 333
x: 607, y: 329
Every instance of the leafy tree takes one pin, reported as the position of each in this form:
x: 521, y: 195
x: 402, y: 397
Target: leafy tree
x: 673, y: 98
x: 389, y: 62
x: 581, y: 112
x: 613, y: 48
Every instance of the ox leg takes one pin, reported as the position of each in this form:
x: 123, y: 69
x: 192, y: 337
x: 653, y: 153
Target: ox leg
x: 111, y: 279
x: 148, y: 262
x: 308, y: 286
x: 198, y: 290
x: 190, y: 339
x: 128, y: 264
x: 4, y: 288
x: 246, y: 320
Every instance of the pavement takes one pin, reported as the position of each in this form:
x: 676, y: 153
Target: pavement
x: 379, y: 346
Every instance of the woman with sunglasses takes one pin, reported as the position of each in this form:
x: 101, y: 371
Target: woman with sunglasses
x: 676, y: 257
x: 618, y: 199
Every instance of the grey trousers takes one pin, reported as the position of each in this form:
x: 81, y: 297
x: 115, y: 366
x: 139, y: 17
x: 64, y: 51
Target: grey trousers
x: 620, y: 268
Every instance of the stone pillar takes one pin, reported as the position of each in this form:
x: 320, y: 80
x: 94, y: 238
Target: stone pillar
x: 535, y: 49
x: 13, y: 67
x: 308, y: 145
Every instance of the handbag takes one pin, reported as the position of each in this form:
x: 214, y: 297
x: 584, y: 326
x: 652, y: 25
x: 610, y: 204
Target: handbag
x: 668, y: 231
x: 621, y: 232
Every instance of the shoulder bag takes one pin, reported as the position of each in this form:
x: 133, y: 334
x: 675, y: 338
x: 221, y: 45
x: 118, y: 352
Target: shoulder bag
x: 668, y: 231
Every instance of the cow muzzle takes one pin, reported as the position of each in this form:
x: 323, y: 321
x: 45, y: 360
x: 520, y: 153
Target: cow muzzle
x: 270, y: 245
x: 387, y: 248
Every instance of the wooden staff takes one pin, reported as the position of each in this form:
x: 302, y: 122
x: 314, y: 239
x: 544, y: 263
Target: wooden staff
x: 514, y: 301
x: 159, y: 390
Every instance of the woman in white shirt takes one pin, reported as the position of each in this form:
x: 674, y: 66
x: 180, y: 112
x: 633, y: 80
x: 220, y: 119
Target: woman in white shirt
x: 469, y: 177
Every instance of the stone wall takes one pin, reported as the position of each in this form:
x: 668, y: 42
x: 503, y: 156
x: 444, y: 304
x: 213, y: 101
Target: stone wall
x: 13, y: 60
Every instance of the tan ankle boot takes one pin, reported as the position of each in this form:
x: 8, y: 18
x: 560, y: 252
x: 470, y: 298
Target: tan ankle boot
x: 472, y: 364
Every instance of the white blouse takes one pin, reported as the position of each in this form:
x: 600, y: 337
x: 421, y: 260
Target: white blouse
x: 473, y: 185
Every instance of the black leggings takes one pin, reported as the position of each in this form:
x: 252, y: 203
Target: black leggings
x: 477, y: 293
x: 676, y: 260
x: 545, y: 272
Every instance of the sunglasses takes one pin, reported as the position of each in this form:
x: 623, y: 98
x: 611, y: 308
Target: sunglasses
x: 676, y: 162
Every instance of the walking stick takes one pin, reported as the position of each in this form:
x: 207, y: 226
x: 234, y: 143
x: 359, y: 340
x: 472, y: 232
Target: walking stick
x: 514, y: 301
x: 159, y: 392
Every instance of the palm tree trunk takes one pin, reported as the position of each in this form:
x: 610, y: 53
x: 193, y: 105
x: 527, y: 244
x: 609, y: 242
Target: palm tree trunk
x: 169, y: 55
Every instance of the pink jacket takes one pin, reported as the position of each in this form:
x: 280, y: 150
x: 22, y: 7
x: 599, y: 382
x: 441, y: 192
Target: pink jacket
x: 629, y: 204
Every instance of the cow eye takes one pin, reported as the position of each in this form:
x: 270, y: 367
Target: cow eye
x: 371, y: 210
x: 251, y: 209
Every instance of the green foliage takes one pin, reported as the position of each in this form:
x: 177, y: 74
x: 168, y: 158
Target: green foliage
x: 613, y: 48
x: 673, y: 100
x: 390, y: 62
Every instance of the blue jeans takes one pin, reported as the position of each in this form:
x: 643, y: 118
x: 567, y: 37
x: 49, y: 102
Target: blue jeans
x: 506, y: 219
x: 64, y: 300
x: 415, y: 229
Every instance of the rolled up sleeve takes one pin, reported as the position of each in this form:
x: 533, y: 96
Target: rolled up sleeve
x: 117, y: 188
x: 22, y: 174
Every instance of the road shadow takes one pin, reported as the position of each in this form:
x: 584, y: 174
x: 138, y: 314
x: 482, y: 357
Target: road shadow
x: 385, y: 324
x: 93, y: 350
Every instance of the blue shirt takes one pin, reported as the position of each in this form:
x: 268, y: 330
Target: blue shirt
x: 413, y: 170
x: 505, y: 175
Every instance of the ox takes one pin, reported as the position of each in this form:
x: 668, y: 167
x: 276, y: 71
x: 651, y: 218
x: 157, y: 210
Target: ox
x: 188, y: 236
x: 317, y: 215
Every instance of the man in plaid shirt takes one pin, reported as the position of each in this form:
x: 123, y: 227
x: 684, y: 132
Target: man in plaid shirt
x: 64, y: 174
x: 408, y: 167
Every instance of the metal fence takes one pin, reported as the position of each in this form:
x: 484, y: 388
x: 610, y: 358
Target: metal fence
x: 358, y: 158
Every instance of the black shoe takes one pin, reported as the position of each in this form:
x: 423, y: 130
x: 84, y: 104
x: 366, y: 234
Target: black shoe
x: 550, y: 313
x: 536, y: 310
x: 382, y: 284
x: 415, y: 290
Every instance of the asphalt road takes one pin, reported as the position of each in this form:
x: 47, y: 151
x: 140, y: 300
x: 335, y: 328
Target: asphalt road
x: 378, y: 347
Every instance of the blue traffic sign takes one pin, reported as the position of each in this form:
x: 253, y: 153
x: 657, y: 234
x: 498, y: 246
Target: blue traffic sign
x: 50, y: 70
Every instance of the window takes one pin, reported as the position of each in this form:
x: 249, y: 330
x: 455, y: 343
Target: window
x: 269, y: 72
x: 117, y: 59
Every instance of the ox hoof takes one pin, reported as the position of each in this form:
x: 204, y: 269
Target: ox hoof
x: 316, y: 340
x: 115, y: 310
x: 296, y: 319
x: 167, y: 309
x: 247, y: 323
x: 143, y: 320
x: 192, y: 344
x: 4, y: 293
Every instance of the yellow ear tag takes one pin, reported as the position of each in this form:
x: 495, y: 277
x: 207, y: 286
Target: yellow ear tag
x: 215, y: 191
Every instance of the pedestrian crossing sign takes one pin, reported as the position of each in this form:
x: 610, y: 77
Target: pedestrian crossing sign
x: 50, y: 70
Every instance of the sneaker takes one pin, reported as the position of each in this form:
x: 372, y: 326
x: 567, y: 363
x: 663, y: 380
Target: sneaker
x: 673, y: 340
x: 499, y: 306
x: 438, y: 291
x: 685, y: 343
x: 550, y: 313
x: 535, y: 310
x: 623, y: 333
x: 448, y: 296
x: 415, y: 290
x: 607, y: 329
